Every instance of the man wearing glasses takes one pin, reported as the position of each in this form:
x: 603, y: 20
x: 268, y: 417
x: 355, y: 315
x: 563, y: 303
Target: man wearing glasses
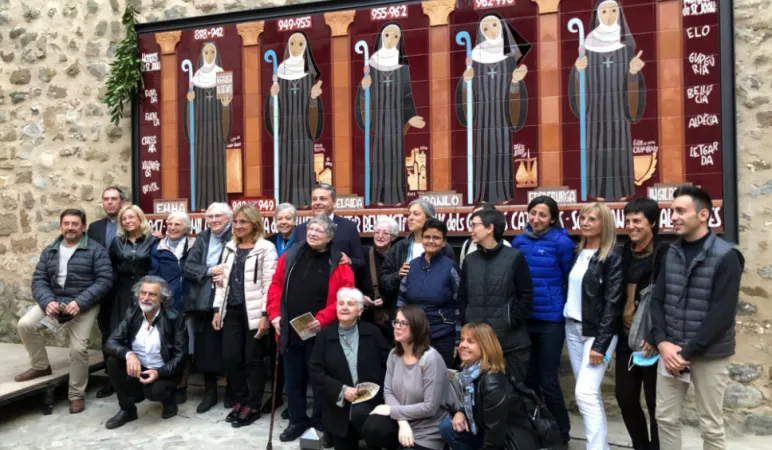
x: 346, y: 233
x: 496, y: 288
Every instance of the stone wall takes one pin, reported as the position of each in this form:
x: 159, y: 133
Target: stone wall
x: 58, y: 149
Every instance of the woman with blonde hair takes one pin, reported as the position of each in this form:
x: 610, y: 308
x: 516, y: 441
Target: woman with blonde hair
x: 593, y: 312
x: 487, y: 412
x: 130, y: 254
x: 248, y: 263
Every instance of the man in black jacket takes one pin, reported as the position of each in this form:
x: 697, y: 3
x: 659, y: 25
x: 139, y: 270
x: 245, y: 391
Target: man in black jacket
x: 693, y: 311
x: 146, y: 353
x: 346, y: 233
x: 70, y: 279
x: 496, y: 288
x: 104, y: 231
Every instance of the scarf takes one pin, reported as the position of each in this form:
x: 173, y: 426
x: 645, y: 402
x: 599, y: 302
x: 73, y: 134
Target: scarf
x: 645, y: 250
x: 490, y: 51
x: 292, y: 67
x: 466, y: 378
x: 536, y: 235
x: 385, y: 59
x: 605, y: 38
x: 206, y: 76
x: 281, y: 246
x: 177, y: 246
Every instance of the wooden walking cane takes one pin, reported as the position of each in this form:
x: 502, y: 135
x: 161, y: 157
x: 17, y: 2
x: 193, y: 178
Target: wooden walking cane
x: 273, y: 399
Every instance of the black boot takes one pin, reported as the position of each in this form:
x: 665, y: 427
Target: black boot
x: 228, y: 400
x: 181, y: 395
x: 121, y: 419
x: 170, y: 409
x: 267, y: 405
x: 106, y: 390
x: 210, y: 396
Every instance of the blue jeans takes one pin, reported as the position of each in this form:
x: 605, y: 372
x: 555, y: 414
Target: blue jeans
x: 546, y: 348
x: 296, y: 381
x: 460, y: 441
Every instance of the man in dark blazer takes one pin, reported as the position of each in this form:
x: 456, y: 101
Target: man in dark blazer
x: 346, y: 234
x: 104, y: 231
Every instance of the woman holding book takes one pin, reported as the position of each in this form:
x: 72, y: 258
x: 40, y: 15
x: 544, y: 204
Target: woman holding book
x: 347, y: 354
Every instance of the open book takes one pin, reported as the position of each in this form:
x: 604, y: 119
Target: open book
x: 366, y: 391
x: 301, y: 324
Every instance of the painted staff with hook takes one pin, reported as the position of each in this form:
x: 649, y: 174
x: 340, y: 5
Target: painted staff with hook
x: 464, y: 39
x: 187, y: 66
x: 576, y: 26
x: 271, y: 58
x: 361, y: 48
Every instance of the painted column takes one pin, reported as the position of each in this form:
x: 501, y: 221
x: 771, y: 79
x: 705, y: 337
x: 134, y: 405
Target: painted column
x: 549, y: 93
x: 169, y: 106
x: 250, y: 53
x: 670, y: 95
x: 341, y: 99
x: 441, y: 97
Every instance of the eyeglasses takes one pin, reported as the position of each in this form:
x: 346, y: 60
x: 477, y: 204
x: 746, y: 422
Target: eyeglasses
x: 381, y: 233
x: 400, y: 323
x: 475, y: 224
x: 433, y: 238
x: 213, y: 216
x: 316, y: 231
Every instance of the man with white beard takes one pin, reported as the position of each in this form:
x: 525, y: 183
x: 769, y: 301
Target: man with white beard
x: 146, y: 353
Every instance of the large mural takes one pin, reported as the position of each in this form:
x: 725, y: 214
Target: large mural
x: 456, y: 101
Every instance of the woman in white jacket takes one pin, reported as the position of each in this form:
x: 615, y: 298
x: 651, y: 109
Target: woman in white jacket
x: 248, y: 263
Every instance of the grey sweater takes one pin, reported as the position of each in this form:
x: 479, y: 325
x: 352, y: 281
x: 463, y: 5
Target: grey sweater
x: 416, y: 394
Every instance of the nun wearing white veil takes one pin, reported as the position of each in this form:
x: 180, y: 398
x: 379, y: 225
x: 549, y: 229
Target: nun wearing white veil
x: 615, y: 97
x: 500, y: 106
x: 212, y: 126
x: 392, y: 113
x: 301, y: 119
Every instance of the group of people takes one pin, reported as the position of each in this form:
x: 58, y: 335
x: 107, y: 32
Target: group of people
x: 224, y: 302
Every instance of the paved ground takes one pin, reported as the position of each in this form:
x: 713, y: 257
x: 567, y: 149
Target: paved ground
x: 23, y: 427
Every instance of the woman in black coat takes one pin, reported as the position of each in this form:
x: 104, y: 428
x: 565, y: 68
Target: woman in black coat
x: 487, y: 414
x: 130, y: 256
x: 346, y: 354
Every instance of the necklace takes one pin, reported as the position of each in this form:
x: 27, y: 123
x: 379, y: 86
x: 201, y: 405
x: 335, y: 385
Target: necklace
x: 295, y: 87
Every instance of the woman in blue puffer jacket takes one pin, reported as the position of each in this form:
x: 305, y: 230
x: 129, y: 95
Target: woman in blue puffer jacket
x: 549, y: 252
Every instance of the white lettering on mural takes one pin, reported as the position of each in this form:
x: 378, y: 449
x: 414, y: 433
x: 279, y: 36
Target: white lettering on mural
x: 388, y: 13
x: 703, y: 120
x: 701, y: 63
x: 150, y: 62
x: 152, y: 117
x: 519, y: 151
x: 641, y: 147
x: 561, y: 196
x: 699, y: 7
x: 704, y: 152
x: 349, y: 203
x: 151, y: 187
x: 700, y: 93
x: 698, y: 32
x: 211, y: 33
x: 150, y: 142
x: 294, y: 23
x: 666, y: 218
x: 150, y: 166
x: 152, y: 94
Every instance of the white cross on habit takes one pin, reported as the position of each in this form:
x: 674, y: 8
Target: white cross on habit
x: 492, y: 72
x: 608, y: 63
x: 294, y: 89
x: 209, y: 96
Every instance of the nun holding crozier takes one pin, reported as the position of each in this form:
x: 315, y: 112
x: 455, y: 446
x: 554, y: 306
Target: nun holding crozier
x: 212, y: 127
x: 392, y: 113
x: 301, y: 119
x: 615, y: 97
x: 500, y: 106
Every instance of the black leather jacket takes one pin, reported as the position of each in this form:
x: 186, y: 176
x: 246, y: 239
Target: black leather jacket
x: 132, y: 259
x: 602, y: 299
x: 171, y: 328
x: 499, y: 414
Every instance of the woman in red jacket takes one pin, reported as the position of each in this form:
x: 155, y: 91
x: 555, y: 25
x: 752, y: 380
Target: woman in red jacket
x: 307, y: 279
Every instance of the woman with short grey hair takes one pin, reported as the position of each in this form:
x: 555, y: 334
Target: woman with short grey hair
x: 376, y: 310
x: 326, y: 223
x: 285, y: 220
x: 397, y: 262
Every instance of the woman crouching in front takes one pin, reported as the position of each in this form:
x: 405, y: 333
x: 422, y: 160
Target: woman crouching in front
x: 488, y: 414
x: 415, y: 390
x: 345, y: 354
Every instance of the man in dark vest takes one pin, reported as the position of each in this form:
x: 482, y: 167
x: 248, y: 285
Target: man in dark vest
x: 693, y: 311
x: 496, y: 288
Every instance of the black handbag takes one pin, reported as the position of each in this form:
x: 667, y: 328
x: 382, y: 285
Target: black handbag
x: 542, y: 420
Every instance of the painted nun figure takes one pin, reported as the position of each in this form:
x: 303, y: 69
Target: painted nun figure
x: 500, y: 106
x: 301, y: 119
x: 212, y: 122
x: 615, y: 96
x: 392, y: 113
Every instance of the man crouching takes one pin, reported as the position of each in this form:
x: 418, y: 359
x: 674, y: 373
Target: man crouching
x: 146, y: 353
